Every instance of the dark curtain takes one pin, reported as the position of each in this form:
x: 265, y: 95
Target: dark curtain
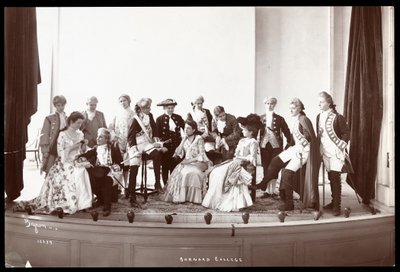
x: 21, y: 76
x: 363, y: 104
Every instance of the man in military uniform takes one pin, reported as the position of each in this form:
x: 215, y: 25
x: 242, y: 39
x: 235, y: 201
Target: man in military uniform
x: 169, y: 127
x: 52, y: 125
x: 333, y: 137
x: 271, y: 141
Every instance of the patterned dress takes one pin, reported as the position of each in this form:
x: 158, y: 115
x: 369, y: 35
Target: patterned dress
x: 188, y: 182
x: 67, y: 184
x: 120, y: 127
x: 228, y: 181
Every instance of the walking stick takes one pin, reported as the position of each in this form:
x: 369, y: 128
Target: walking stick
x: 354, y: 188
x: 323, y: 184
x: 301, y: 182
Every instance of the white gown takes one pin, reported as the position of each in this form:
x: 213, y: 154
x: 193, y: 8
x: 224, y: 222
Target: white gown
x: 228, y: 181
x: 67, y: 185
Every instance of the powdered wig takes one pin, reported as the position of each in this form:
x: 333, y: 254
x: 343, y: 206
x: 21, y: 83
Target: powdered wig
x: 142, y: 103
x: 200, y: 98
x: 92, y: 99
x: 59, y: 99
x: 270, y: 98
x: 297, y: 102
x: 105, y: 132
x: 328, y: 99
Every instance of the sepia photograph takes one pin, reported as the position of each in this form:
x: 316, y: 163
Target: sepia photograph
x: 199, y: 136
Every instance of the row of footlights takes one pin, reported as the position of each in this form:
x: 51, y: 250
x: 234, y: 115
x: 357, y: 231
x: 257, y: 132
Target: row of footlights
x: 207, y: 217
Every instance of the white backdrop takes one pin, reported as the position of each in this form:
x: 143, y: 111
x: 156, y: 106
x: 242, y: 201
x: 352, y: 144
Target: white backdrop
x: 159, y: 53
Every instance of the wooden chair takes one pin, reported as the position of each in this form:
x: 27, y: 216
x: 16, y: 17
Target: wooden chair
x: 252, y: 170
x: 143, y: 190
x: 34, y: 147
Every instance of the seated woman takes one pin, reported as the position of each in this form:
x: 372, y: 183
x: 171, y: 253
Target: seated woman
x: 228, y: 181
x: 188, y: 182
x: 67, y: 184
x: 203, y: 118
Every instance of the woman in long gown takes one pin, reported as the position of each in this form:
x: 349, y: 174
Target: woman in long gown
x: 229, y: 181
x: 67, y: 185
x: 188, y: 181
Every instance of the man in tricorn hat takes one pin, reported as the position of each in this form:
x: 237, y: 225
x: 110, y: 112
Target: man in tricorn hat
x: 169, y: 127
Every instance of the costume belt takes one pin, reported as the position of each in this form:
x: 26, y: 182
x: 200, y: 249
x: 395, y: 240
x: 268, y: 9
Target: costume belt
x: 302, y: 139
x: 331, y: 132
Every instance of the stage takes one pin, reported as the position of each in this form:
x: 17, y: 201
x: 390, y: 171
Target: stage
x: 362, y: 239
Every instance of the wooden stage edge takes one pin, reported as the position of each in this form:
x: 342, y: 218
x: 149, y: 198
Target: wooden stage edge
x: 48, y: 241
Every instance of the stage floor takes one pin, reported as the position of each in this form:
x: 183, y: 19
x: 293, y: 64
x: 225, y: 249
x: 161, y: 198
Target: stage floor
x: 154, y: 208
x: 78, y: 241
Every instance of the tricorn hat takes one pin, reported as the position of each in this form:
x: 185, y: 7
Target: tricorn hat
x: 168, y: 102
x: 252, y: 120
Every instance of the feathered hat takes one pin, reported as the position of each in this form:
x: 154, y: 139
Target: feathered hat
x: 252, y: 120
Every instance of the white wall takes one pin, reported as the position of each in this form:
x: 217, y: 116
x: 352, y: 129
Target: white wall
x: 292, y: 56
x: 340, y: 31
x: 47, y: 33
x: 158, y: 53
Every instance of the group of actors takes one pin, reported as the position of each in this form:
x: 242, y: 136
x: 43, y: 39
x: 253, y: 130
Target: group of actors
x: 202, y: 159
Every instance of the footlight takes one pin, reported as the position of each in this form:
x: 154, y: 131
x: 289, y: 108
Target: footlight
x: 347, y: 212
x: 60, y: 212
x: 95, y: 215
x: 169, y: 218
x: 245, y: 217
x: 207, y: 218
x: 281, y: 216
x: 317, y: 215
x: 28, y: 209
x: 131, y: 216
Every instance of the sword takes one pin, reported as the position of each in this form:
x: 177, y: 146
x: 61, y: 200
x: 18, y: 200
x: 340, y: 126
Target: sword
x: 130, y: 158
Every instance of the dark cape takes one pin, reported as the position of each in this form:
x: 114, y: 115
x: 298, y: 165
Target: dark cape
x: 309, y: 193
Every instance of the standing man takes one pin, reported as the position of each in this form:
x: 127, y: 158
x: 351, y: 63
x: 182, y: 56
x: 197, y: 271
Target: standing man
x: 52, y: 125
x: 169, y: 127
x: 94, y: 120
x: 333, y: 136
x: 271, y: 140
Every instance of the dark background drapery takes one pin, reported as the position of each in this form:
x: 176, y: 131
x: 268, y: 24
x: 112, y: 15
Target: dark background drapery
x: 21, y: 76
x: 363, y: 105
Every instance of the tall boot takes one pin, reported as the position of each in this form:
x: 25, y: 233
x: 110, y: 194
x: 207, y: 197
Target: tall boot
x: 287, y: 180
x: 336, y: 185
x: 330, y: 205
x: 155, y: 156
x: 132, y: 185
x: 273, y: 169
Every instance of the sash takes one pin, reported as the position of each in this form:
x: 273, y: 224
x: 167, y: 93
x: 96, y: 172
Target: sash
x: 146, y: 147
x: 302, y: 139
x: 331, y: 132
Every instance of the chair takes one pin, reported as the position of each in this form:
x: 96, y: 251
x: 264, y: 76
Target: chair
x: 143, y: 190
x: 252, y: 170
x: 34, y: 147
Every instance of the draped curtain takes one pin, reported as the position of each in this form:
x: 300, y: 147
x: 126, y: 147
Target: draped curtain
x: 363, y: 105
x: 21, y: 76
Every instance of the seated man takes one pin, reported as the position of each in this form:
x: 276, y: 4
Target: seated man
x: 106, y: 171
